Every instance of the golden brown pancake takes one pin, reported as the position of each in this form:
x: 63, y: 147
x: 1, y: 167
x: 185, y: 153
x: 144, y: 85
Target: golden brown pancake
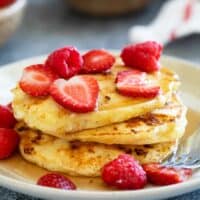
x: 83, y: 159
x: 162, y: 125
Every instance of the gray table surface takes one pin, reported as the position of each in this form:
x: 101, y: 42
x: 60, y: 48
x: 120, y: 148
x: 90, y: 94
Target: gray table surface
x: 49, y: 24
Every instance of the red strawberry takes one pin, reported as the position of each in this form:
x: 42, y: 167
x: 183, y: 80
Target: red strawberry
x: 124, y: 172
x: 66, y: 62
x: 97, y: 61
x: 134, y: 83
x: 7, y: 119
x: 143, y: 56
x: 56, y: 181
x: 9, y: 140
x: 160, y: 175
x: 36, y: 80
x: 78, y: 94
x: 4, y: 3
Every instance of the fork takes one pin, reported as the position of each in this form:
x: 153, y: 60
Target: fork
x: 187, y: 154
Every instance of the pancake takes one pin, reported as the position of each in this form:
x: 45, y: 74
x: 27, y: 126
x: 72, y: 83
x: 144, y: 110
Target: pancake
x: 49, y: 117
x: 162, y: 125
x: 83, y: 159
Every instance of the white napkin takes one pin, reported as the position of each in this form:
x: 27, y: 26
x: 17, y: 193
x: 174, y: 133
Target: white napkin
x: 177, y: 18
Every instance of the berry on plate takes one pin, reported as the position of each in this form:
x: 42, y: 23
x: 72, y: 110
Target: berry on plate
x: 7, y: 119
x: 97, y: 60
x: 143, y: 56
x: 36, y: 80
x: 159, y: 175
x: 78, y: 94
x: 134, y: 83
x: 124, y: 173
x: 66, y: 62
x: 4, y: 3
x: 9, y: 140
x: 55, y: 180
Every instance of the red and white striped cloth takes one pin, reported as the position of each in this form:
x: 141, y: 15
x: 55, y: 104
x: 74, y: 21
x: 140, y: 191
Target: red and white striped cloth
x: 176, y: 18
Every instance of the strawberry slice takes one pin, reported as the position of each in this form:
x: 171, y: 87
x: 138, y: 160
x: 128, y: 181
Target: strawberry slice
x: 160, y: 175
x: 97, y: 60
x: 134, y: 83
x: 36, y: 80
x: 78, y: 94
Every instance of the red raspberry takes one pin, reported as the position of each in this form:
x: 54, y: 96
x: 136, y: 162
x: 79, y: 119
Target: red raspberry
x: 7, y: 119
x: 56, y: 181
x: 66, y: 62
x: 160, y: 175
x: 4, y: 3
x: 124, y: 173
x: 143, y: 56
x: 9, y: 140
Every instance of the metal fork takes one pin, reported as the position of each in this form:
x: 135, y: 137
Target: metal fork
x: 187, y: 154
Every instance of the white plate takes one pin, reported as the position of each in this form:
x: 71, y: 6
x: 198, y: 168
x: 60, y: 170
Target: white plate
x: 190, y: 76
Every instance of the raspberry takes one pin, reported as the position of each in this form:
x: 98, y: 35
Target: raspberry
x: 7, y: 119
x: 66, y: 62
x: 9, y: 140
x: 56, y: 181
x: 143, y: 56
x: 124, y: 173
x: 97, y: 60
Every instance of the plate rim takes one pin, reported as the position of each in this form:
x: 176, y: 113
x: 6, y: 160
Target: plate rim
x: 44, y: 192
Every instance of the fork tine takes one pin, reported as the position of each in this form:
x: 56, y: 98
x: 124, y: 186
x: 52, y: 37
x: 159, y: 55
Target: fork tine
x: 171, y: 158
x: 187, y: 153
x: 192, y: 165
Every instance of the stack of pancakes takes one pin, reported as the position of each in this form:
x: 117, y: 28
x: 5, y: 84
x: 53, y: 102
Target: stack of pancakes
x: 80, y: 144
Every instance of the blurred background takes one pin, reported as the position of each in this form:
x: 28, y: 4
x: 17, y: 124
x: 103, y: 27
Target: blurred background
x: 49, y: 24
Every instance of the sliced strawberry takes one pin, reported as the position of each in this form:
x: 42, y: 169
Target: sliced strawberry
x: 36, y: 80
x: 134, y: 83
x: 97, y: 60
x: 78, y: 94
x: 160, y: 175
